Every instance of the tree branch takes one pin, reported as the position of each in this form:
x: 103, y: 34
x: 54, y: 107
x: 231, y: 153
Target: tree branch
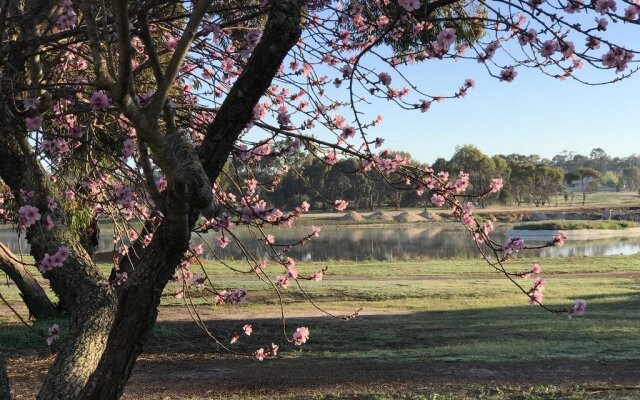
x: 160, y: 97
x: 282, y: 32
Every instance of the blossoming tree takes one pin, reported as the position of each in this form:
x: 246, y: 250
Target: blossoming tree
x: 136, y: 112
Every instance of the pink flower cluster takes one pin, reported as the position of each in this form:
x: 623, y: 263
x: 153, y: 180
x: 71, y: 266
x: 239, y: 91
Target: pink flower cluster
x: 53, y: 334
x: 535, y: 294
x: 496, y: 185
x: 33, y: 123
x: 234, y: 297
x: 68, y: 18
x: 291, y: 272
x: 579, y: 308
x: 28, y: 215
x: 617, y: 58
x: 409, y: 5
x: 99, y: 101
x: 341, y: 205
x: 560, y: 238
x: 300, y: 336
x: 261, y: 353
x: 55, y: 261
x: 512, y: 245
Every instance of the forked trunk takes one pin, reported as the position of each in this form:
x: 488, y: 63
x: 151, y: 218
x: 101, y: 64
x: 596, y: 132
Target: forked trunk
x: 34, y: 297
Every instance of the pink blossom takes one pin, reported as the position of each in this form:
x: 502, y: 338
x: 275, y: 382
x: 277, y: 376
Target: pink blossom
x: 617, y: 58
x: 548, y: 48
x: 49, y: 224
x: 31, y: 103
x: 511, y: 245
x: 222, y: 241
x: 284, y: 119
x: 317, y: 276
x: 579, y: 308
x: 631, y: 12
x: 496, y: 185
x: 171, y: 42
x: 270, y: 239
x: 53, y: 334
x: 424, y: 105
x: 33, y: 123
x: 348, y: 132
x: 99, y: 101
x: 560, y: 238
x: 247, y: 330
x: 28, y: 215
x: 128, y: 148
x: 468, y: 208
x: 535, y: 268
x: 282, y: 281
x: 55, y: 261
x: 51, y: 203
x: 528, y: 37
x: 120, y: 279
x: 437, y: 200
x: 233, y: 297
x: 300, y: 336
x: 161, y: 184
x: 602, y: 24
x: 341, y: 205
x: 384, y: 78
x: 409, y: 5
x: 316, y: 231
x: 290, y: 265
x: 508, y: 74
x: 446, y: 37
x: 604, y: 6
x: 259, y: 354
x: 535, y: 297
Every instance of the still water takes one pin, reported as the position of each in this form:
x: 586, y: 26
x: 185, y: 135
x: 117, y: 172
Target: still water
x: 379, y: 243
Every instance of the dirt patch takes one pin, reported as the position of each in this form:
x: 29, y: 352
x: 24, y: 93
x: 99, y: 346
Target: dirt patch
x: 197, y: 375
x: 352, y: 216
x: 408, y: 217
x: 430, y: 216
x: 380, y: 216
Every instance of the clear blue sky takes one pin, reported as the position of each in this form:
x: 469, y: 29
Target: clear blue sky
x: 533, y: 114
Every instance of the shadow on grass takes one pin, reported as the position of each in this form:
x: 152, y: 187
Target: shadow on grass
x: 438, y: 351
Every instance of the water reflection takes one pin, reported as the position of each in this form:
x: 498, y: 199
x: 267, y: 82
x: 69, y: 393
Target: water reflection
x: 380, y: 243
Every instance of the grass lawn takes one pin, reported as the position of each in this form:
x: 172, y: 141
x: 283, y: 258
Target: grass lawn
x: 435, y: 329
x: 565, y: 225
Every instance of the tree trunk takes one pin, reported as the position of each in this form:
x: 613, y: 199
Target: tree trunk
x: 35, y: 298
x: 137, y: 312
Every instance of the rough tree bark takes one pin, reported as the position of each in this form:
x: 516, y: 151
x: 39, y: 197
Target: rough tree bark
x: 78, y: 284
x: 34, y: 297
x: 107, y: 333
x: 138, y: 302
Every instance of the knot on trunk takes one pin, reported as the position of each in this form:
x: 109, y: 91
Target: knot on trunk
x: 191, y: 180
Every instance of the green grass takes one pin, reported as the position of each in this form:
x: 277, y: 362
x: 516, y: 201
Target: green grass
x: 566, y: 225
x: 415, y: 313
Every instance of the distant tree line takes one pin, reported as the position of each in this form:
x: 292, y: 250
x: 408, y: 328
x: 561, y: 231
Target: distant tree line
x: 528, y: 179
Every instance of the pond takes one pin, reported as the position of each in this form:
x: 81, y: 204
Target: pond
x: 382, y: 242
